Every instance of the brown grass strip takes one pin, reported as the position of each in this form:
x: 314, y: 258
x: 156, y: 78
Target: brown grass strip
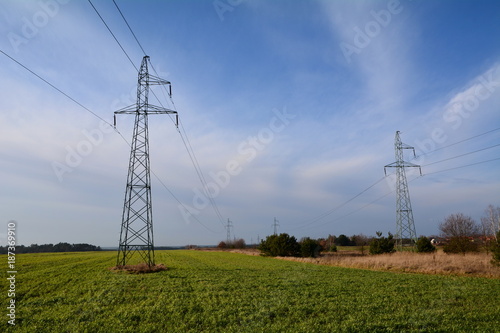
x: 471, y: 264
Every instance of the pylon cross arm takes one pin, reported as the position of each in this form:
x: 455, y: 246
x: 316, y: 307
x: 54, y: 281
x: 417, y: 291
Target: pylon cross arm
x: 155, y: 80
x: 151, y: 109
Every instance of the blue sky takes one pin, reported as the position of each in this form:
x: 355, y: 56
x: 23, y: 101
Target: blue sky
x: 301, y: 98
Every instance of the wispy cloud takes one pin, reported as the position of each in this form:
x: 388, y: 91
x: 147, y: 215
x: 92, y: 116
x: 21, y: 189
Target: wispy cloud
x: 346, y: 113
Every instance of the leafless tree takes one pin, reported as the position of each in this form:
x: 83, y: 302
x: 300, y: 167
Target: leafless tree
x: 491, y: 221
x: 458, y: 229
x: 459, y: 225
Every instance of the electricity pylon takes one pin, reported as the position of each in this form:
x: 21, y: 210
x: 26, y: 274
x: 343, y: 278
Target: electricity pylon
x: 405, y: 226
x: 275, y: 226
x: 136, y: 233
x: 228, y: 229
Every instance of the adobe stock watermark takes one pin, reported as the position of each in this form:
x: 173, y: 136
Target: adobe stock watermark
x: 248, y: 151
x: 363, y: 36
x: 223, y: 6
x: 31, y: 26
x: 462, y: 107
x: 75, y: 154
x: 11, y: 272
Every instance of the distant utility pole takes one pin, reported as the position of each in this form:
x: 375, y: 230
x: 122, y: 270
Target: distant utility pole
x: 137, y: 219
x: 229, y: 225
x: 405, y: 226
x: 276, y: 224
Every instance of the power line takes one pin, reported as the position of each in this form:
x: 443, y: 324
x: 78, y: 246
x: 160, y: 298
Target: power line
x: 359, y: 209
x: 472, y: 152
x: 57, y: 89
x: 201, y: 177
x: 129, y: 27
x: 112, y: 34
x: 184, y: 138
x: 180, y: 203
x: 143, y: 51
x: 456, y: 143
x: 97, y: 116
x: 385, y: 195
x: 189, y: 149
x: 463, y: 166
x: 365, y: 206
x: 121, y: 47
x: 331, y: 211
x: 66, y: 95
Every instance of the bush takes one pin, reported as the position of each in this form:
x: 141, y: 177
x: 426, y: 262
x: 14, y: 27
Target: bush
x: 460, y: 244
x: 343, y: 240
x: 239, y: 244
x: 309, y: 247
x: 424, y: 245
x: 382, y: 244
x: 282, y: 245
x: 359, y: 240
x: 236, y: 244
x: 333, y: 248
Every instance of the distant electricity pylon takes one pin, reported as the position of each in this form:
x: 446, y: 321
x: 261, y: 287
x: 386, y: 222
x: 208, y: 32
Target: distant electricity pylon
x: 276, y: 224
x: 228, y: 228
x: 405, y: 226
x: 137, y: 220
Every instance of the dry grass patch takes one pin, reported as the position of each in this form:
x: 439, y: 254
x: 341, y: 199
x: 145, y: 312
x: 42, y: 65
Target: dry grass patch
x: 472, y: 264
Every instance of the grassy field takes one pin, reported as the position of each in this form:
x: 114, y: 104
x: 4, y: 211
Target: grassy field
x: 231, y: 292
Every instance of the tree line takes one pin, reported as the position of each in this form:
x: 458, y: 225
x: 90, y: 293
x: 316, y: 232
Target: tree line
x: 459, y: 234
x: 59, y: 247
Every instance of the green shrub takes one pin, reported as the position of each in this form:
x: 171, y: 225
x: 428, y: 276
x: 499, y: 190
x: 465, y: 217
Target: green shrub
x: 382, y: 244
x: 343, y: 240
x: 333, y: 248
x: 424, y: 245
x: 282, y: 245
x: 309, y: 247
x: 460, y: 244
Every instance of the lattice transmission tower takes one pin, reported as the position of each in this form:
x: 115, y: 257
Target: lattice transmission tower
x: 136, y: 235
x: 229, y: 225
x: 276, y: 224
x: 405, y: 226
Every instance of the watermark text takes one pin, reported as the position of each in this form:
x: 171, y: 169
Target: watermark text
x: 11, y: 272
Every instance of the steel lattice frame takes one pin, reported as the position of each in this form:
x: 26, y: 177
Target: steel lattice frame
x: 405, y: 226
x: 136, y: 234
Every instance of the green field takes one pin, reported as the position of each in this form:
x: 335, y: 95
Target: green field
x: 228, y: 292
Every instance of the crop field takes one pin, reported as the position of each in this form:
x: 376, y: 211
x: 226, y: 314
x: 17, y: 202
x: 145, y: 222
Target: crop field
x: 231, y: 292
